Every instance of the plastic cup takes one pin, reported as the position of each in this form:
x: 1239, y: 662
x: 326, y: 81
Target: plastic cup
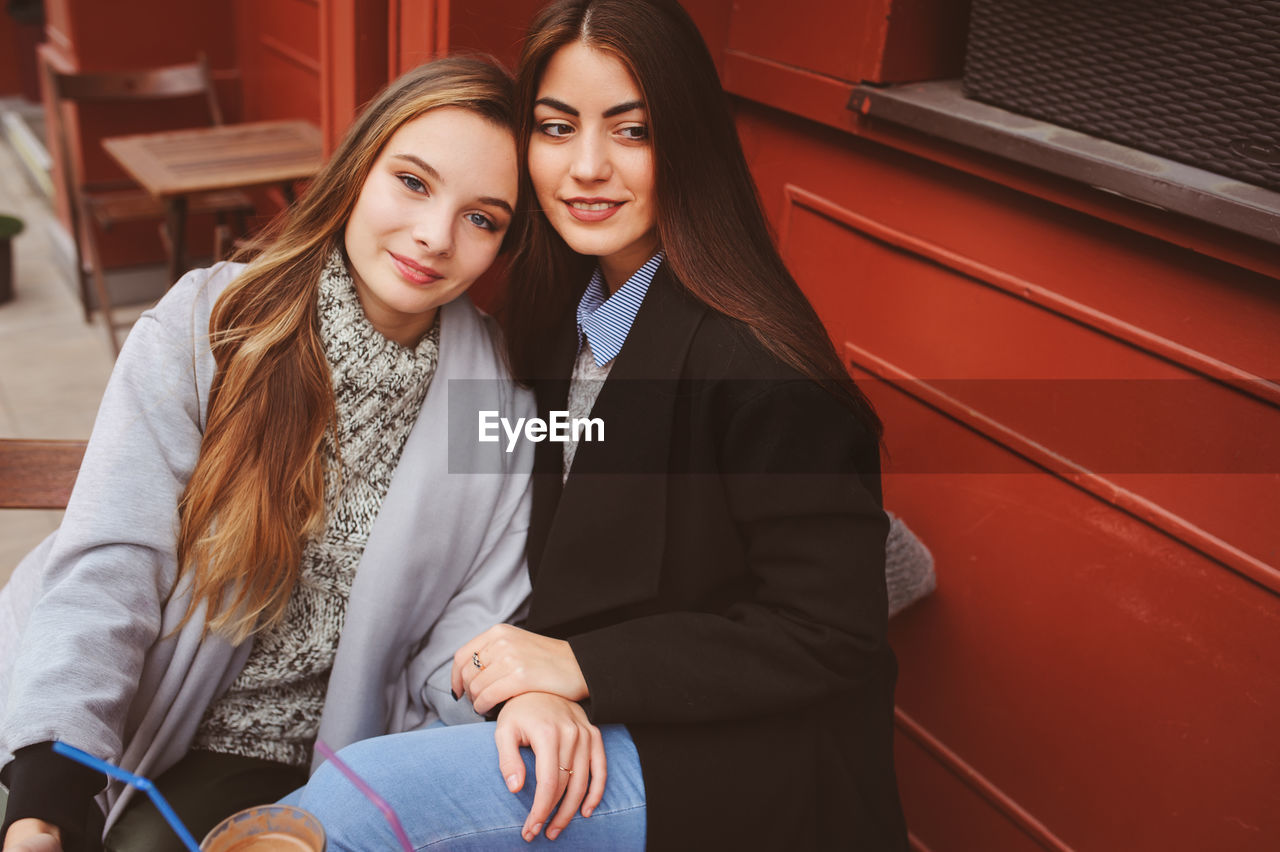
x: 266, y: 828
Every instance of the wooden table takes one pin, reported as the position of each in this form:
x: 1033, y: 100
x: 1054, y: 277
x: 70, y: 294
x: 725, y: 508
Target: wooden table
x: 176, y: 164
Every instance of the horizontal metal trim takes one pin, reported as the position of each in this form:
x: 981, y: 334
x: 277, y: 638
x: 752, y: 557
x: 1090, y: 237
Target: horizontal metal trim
x: 294, y: 55
x: 1162, y: 347
x: 979, y: 783
x: 916, y: 843
x: 1101, y: 487
x: 798, y: 91
x: 939, y: 108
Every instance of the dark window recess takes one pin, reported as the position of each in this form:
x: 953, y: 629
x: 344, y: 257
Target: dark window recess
x: 1197, y: 81
x: 1175, y: 105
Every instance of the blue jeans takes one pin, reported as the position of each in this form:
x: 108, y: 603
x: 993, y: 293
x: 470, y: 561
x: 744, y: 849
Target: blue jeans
x: 445, y: 785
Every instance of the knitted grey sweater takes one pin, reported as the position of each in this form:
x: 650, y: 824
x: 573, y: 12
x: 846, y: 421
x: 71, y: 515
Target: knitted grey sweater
x: 272, y: 710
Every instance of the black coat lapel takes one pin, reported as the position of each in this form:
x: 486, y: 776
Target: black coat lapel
x: 603, y: 548
x: 551, y: 390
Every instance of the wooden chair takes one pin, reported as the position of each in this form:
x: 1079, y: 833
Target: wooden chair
x: 38, y: 474
x: 108, y: 203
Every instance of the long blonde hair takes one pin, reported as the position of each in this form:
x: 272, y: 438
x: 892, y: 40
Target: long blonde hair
x: 257, y: 492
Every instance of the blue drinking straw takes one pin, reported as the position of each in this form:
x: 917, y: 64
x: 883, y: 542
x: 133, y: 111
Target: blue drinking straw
x: 135, y: 781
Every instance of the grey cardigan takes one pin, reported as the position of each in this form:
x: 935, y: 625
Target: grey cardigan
x: 88, y: 652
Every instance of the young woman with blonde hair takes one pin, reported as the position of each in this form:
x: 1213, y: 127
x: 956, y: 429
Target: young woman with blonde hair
x: 275, y: 534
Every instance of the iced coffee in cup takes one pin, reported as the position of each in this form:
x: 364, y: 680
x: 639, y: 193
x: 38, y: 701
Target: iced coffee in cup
x: 267, y: 828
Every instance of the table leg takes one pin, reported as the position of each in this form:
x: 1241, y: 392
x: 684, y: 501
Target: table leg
x: 177, y: 225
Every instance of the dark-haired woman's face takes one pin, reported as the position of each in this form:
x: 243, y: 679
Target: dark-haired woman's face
x: 591, y: 161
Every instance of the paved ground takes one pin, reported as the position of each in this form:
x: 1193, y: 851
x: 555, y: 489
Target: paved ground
x: 53, y: 366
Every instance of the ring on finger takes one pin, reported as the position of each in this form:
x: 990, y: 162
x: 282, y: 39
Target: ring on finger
x: 475, y: 660
x: 566, y: 769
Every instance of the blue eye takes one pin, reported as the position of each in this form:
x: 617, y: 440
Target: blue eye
x: 481, y: 221
x: 412, y: 182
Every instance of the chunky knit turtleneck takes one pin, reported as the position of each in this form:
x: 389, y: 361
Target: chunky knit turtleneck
x: 272, y: 710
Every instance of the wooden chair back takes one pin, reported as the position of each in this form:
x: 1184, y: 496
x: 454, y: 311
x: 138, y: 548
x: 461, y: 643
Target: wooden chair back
x: 38, y: 474
x: 86, y: 200
x: 170, y: 82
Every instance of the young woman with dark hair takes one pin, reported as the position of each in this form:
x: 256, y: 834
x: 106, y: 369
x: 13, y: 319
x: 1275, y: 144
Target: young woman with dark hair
x: 708, y: 222
x: 708, y: 580
x: 268, y: 541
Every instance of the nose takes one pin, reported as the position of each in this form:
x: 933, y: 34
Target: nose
x: 591, y: 162
x: 433, y: 229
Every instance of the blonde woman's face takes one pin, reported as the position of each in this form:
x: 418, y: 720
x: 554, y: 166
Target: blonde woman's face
x: 591, y: 161
x: 430, y: 218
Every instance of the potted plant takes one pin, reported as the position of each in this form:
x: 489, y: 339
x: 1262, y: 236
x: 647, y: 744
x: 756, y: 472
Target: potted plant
x: 10, y: 227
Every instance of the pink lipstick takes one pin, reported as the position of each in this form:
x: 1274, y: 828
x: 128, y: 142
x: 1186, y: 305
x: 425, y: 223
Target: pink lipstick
x: 414, y: 273
x: 592, y: 209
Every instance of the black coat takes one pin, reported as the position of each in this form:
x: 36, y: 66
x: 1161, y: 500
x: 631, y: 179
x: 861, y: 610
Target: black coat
x: 717, y: 565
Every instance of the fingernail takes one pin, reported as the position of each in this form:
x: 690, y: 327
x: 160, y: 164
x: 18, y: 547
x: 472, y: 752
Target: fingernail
x: 527, y: 835
x: 455, y: 695
x: 536, y: 829
x: 587, y: 812
x: 512, y: 781
x: 553, y: 833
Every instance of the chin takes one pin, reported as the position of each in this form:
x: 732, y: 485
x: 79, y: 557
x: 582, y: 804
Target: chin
x: 593, y: 245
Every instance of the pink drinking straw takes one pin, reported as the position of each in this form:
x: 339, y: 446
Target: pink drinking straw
x: 363, y: 787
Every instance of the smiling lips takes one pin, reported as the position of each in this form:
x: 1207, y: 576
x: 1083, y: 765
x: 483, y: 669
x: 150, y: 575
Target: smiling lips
x: 592, y: 209
x: 413, y: 272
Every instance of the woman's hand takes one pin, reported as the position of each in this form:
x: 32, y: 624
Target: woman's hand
x: 513, y: 662
x: 33, y: 835
x: 569, y: 761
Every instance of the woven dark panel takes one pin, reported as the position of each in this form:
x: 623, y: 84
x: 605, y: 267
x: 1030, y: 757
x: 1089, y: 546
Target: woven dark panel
x: 1192, y: 80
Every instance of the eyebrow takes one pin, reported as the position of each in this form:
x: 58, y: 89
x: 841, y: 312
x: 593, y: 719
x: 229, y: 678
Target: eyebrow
x: 420, y: 163
x: 490, y: 200
x: 497, y: 202
x: 619, y: 109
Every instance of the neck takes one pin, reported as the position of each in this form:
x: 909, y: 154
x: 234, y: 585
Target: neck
x: 618, y: 268
x: 407, y: 332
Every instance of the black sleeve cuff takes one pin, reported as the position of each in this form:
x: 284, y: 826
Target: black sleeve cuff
x: 45, y: 785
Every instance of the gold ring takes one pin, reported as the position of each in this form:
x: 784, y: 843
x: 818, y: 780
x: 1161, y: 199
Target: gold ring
x: 475, y: 660
x: 566, y: 769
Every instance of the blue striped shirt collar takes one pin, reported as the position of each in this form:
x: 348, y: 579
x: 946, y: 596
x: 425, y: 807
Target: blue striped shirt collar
x: 606, y: 320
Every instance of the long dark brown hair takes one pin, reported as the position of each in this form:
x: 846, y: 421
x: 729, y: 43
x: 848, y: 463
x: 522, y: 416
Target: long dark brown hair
x: 710, y: 222
x: 257, y: 491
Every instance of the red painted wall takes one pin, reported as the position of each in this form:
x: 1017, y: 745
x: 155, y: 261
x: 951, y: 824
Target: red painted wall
x: 10, y: 83
x: 278, y: 48
x: 1075, y: 656
x: 18, y: 73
